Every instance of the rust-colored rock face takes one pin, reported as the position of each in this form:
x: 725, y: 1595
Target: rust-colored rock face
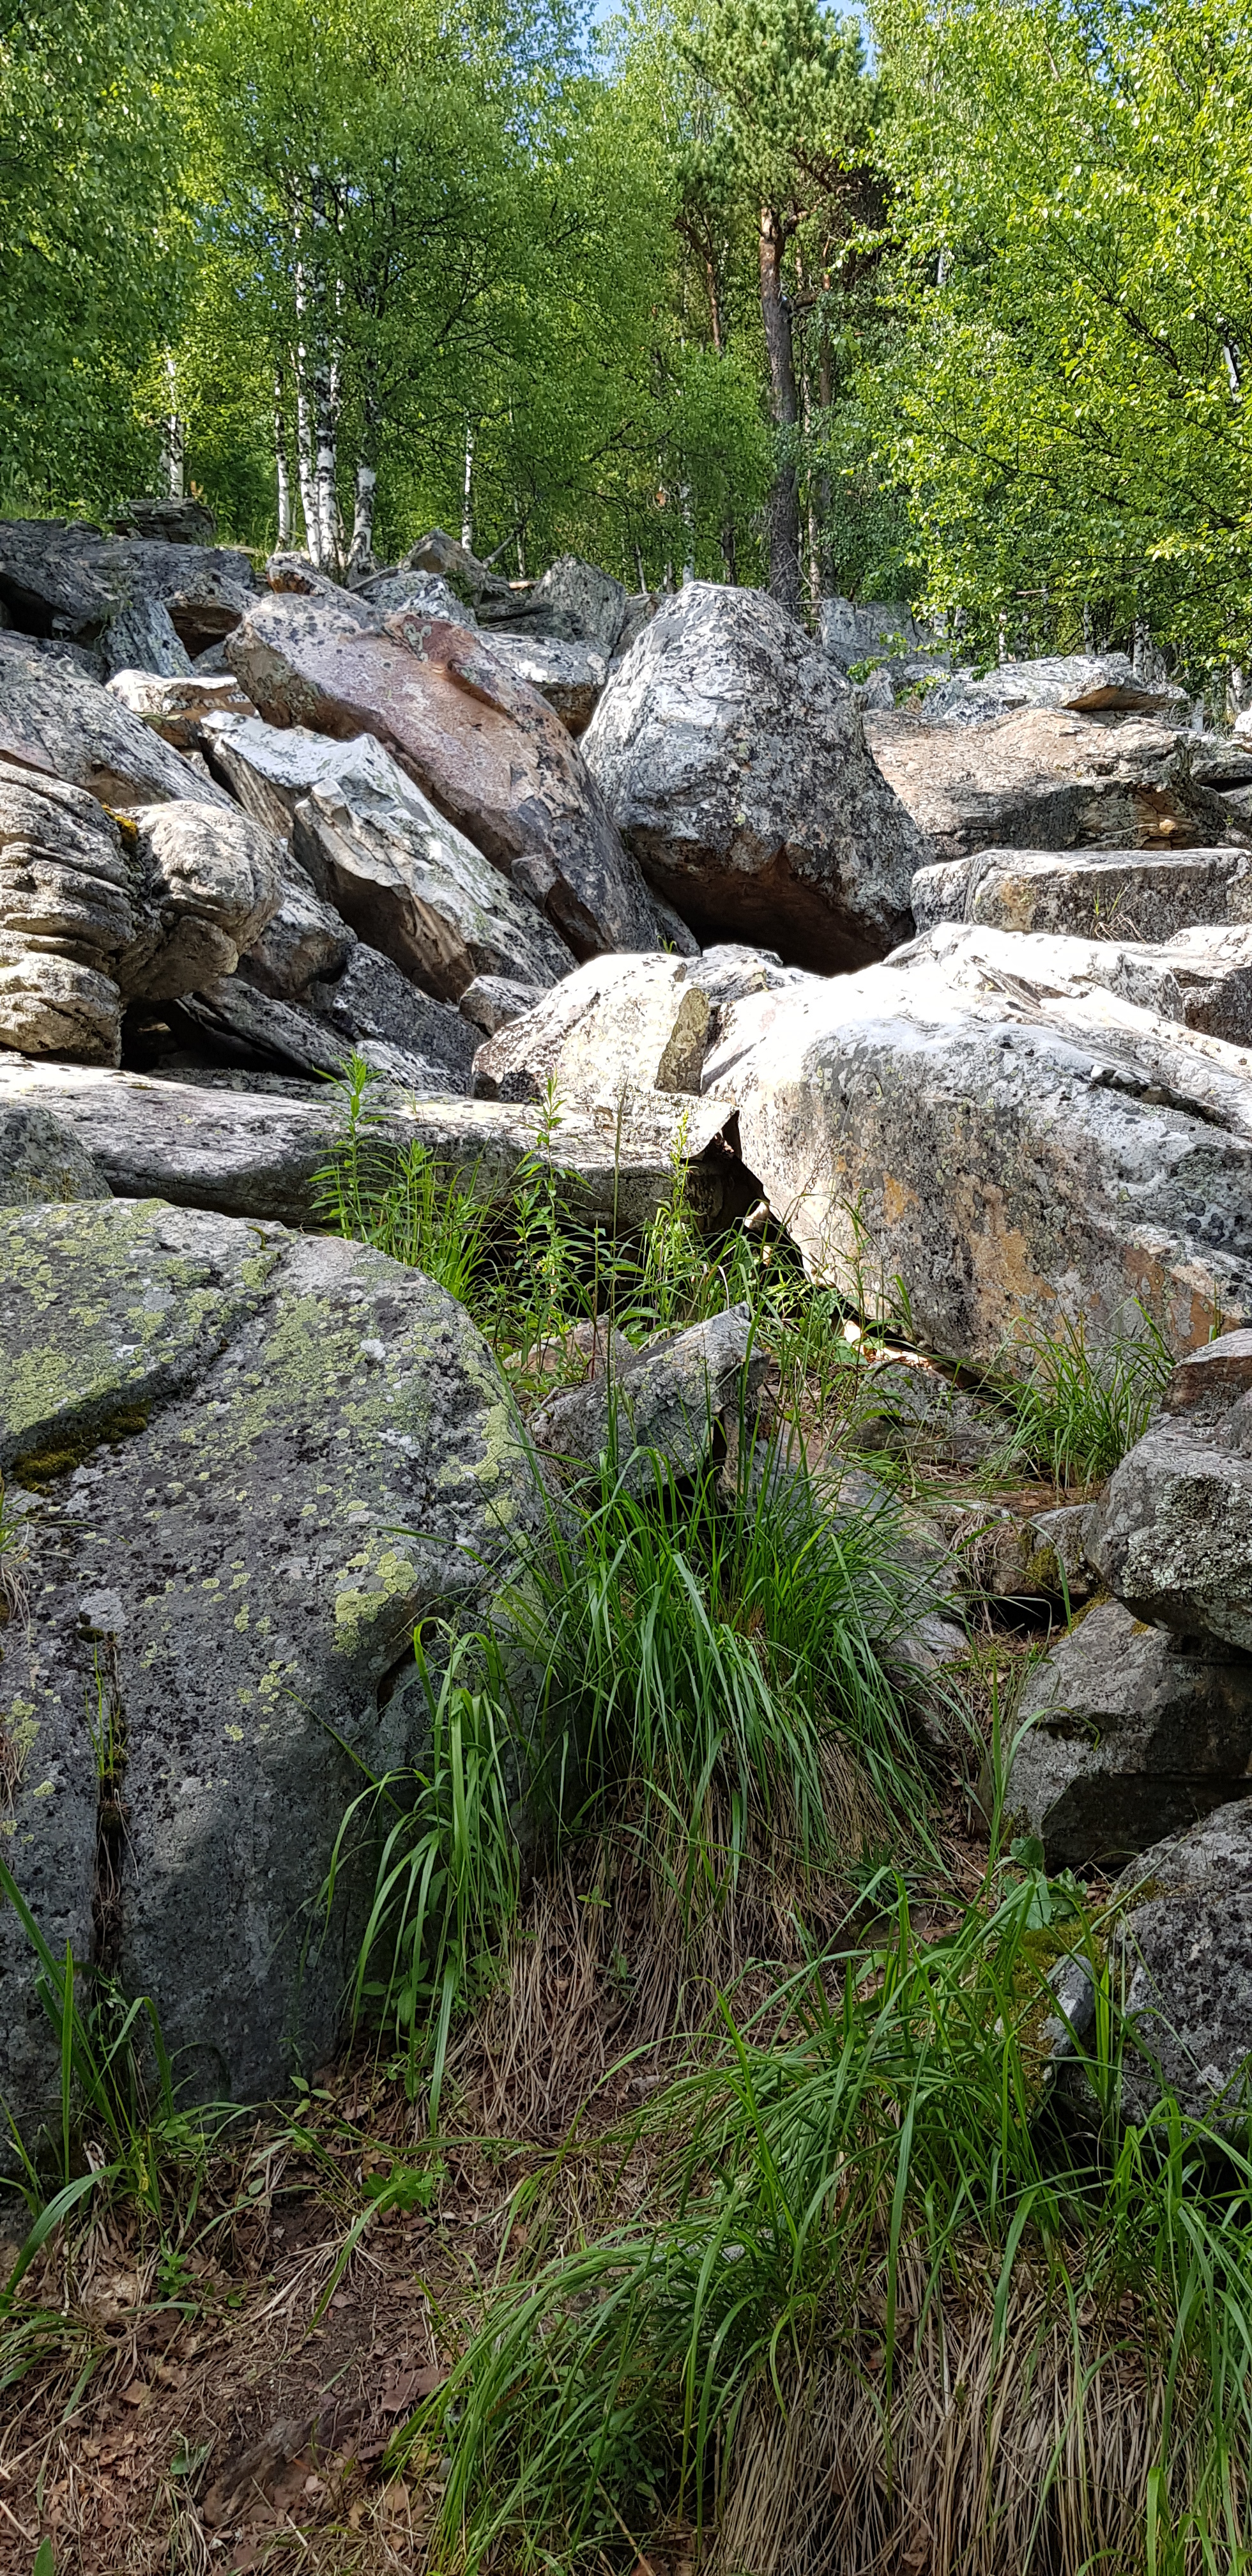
x: 482, y: 745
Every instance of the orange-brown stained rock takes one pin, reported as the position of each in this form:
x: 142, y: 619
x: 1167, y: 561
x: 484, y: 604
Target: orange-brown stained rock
x: 484, y: 747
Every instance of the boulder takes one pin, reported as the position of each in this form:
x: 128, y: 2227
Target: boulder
x: 62, y: 578
x: 236, y: 1024
x: 1124, y: 1733
x: 253, y: 1145
x: 304, y: 938
x: 491, y: 1002
x: 144, y: 638
x: 1138, y: 895
x: 55, y: 720
x: 424, y: 592
x: 1083, y: 683
x: 613, y: 1029
x: 221, y: 1432
x: 664, y: 1401
x: 733, y: 760
x: 442, y: 558
x: 1047, y: 780
x: 570, y: 676
x: 178, y: 520
x: 176, y: 705
x: 486, y: 749
x: 907, y: 1408
x: 211, y: 880
x: 1172, y: 1535
x: 412, y: 884
x: 572, y: 603
x: 996, y: 1151
x: 867, y: 630
x: 1201, y: 977
x: 371, y: 1000
x: 41, y: 1159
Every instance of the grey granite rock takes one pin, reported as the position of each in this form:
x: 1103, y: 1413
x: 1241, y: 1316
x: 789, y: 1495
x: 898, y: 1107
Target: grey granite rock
x: 492, y: 1001
x: 42, y: 1160
x: 58, y: 722
x: 303, y: 939
x: 570, y: 676
x: 63, y: 578
x: 614, y: 1028
x: 663, y: 1402
x: 1043, y: 779
x: 1201, y: 977
x: 1116, y: 895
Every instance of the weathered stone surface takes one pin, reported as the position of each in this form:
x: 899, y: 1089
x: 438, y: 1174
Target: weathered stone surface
x: 616, y: 1027
x: 734, y: 763
x: 1126, y: 895
x: 304, y: 938
x: 571, y: 603
x: 1172, y: 1535
x: 442, y: 558
x: 1200, y: 977
x: 411, y: 884
x: 1001, y: 1150
x: 487, y: 751
x: 570, y: 676
x: 205, y: 1143
x: 371, y: 999
x: 906, y: 1408
x: 1185, y: 1948
x: 1083, y: 683
x: 854, y: 631
x: 65, y: 579
x: 1047, y: 780
x: 425, y: 592
x: 144, y: 638
x: 40, y: 1159
x: 211, y: 880
x: 1064, y: 1535
x: 236, y: 1024
x: 175, y: 706
x: 1125, y: 1733
x: 663, y: 1401
x: 222, y: 1430
x: 71, y: 906
x: 55, y: 720
x: 492, y: 1001
x: 178, y: 519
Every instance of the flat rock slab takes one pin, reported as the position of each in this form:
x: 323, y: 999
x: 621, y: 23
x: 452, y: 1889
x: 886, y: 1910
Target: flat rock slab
x: 59, y: 577
x: 1045, y: 779
x: 732, y: 756
x: 54, y: 719
x: 256, y: 1153
x: 1001, y: 1150
x: 1085, y: 683
x: 1125, y: 1733
x: 222, y: 1433
x: 1125, y: 895
x: 1200, y: 977
x: 486, y: 749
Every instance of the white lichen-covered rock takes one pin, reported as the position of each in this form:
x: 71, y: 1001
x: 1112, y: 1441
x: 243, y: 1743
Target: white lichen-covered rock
x: 1082, y: 683
x: 617, y: 1027
x: 1173, y: 1533
x: 1202, y: 977
x: 664, y: 1401
x: 1102, y: 894
x: 570, y: 676
x: 734, y: 762
x: 211, y: 880
x: 997, y: 1150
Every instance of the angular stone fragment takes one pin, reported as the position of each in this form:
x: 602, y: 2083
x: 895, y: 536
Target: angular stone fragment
x: 144, y: 638
x: 1126, y: 1732
x: 211, y: 881
x: 1084, y: 683
x: 41, y: 1159
x: 71, y: 905
x: 733, y: 759
x: 240, y: 1025
x: 176, y: 706
x: 492, y: 1001
x: 303, y: 939
x: 221, y: 1432
x: 1122, y: 895
x: 1046, y: 780
x: 62, y: 578
x: 571, y: 603
x: 1172, y: 1535
x: 998, y: 1149
x: 570, y: 676
x: 1201, y: 977
x: 616, y: 1027
x: 55, y: 720
x: 371, y: 999
x: 665, y: 1400
x: 487, y: 751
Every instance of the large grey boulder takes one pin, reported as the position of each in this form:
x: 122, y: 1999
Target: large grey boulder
x: 144, y: 638
x: 1125, y: 1733
x: 1083, y: 683
x: 1143, y: 895
x: 412, y: 885
x: 304, y: 938
x: 733, y: 760
x: 57, y: 721
x: 1043, y: 779
x: 42, y: 1159
x: 570, y: 676
x: 571, y: 603
x: 616, y: 1027
x: 62, y: 578
x: 371, y: 1000
x: 665, y: 1401
x: 222, y: 1432
x: 253, y: 1146
x: 997, y: 1150
x: 1173, y: 1532
x: 492, y: 1001
x: 1202, y: 977
x: 238, y: 1024
x: 95, y: 910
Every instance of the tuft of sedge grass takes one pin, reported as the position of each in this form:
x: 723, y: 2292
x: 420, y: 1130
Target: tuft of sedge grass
x: 398, y: 1199
x: 1075, y: 1411
x: 888, y: 2310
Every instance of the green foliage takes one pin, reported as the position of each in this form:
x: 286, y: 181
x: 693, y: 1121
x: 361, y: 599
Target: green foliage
x: 397, y: 1198
x: 1076, y: 1412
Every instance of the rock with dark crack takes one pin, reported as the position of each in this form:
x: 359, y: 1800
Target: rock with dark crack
x: 1083, y: 683
x: 371, y: 1000
x: 734, y: 763
x: 485, y: 748
x: 666, y: 1401
x: 1172, y: 1534
x: 1124, y: 1733
x: 258, y: 1152
x: 1047, y: 780
x: 40, y: 1159
x: 614, y: 1028
x: 304, y: 938
x: 571, y: 603
x: 221, y: 1433
x: 1201, y: 977
x: 998, y: 1151
x: 61, y: 578
x: 144, y: 638
x: 57, y: 722
x: 211, y: 881
x: 236, y: 1024
x: 1125, y: 895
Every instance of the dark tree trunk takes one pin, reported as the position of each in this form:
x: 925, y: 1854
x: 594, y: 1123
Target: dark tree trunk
x: 825, y: 398
x: 784, y: 500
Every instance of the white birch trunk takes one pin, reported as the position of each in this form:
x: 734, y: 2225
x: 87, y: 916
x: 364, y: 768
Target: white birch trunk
x: 173, y: 440
x: 304, y: 426
x: 282, y: 470
x: 361, y: 551
x: 467, y: 493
